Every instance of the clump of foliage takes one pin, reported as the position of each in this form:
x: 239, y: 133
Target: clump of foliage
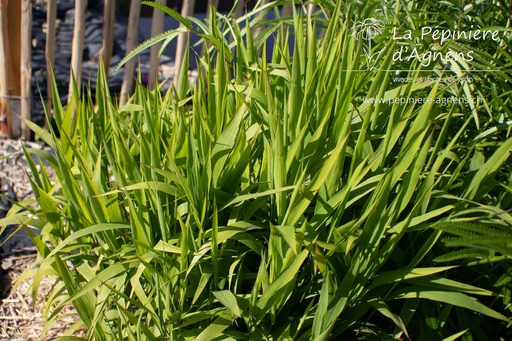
x: 268, y: 201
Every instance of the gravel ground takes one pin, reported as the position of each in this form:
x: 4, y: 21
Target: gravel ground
x: 20, y: 313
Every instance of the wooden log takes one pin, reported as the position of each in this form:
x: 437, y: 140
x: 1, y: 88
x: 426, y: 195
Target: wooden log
x: 131, y: 43
x: 5, y: 112
x: 51, y: 17
x: 186, y: 11
x: 26, y: 66
x: 77, y: 46
x: 107, y: 47
x: 157, y: 27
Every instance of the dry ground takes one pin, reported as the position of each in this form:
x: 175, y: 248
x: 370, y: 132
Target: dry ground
x: 21, y: 317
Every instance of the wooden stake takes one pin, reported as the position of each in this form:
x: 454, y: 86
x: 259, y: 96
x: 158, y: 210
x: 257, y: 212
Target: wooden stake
x: 51, y: 16
x: 157, y: 27
x: 109, y: 19
x: 132, y: 39
x: 5, y: 112
x: 26, y: 66
x: 78, y: 46
x: 186, y: 11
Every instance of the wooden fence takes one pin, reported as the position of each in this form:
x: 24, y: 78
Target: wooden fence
x: 15, y: 53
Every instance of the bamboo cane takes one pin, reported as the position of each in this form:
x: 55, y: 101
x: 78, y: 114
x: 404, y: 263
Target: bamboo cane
x: 5, y: 112
x: 157, y: 27
x: 131, y: 43
x: 26, y: 66
x: 78, y: 46
x: 51, y: 16
x: 109, y: 18
x: 186, y: 11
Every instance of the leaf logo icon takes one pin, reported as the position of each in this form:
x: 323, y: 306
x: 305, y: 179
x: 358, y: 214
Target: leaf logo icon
x: 367, y: 29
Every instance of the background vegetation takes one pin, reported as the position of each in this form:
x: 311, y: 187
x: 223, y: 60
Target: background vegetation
x: 270, y: 201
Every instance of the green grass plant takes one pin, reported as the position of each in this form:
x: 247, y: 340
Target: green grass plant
x: 268, y: 201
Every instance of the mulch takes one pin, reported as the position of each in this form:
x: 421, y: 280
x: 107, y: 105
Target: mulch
x: 21, y: 314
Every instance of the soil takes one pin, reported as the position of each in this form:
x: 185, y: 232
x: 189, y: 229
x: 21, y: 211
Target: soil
x: 21, y: 313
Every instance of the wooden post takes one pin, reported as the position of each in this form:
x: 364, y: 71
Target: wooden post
x: 11, y: 93
x: 311, y: 9
x: 109, y: 19
x: 51, y: 16
x: 78, y: 46
x: 132, y: 38
x: 239, y: 10
x: 287, y: 10
x: 157, y: 27
x: 258, y: 30
x: 5, y: 112
x: 26, y: 66
x: 186, y: 11
x: 214, y: 3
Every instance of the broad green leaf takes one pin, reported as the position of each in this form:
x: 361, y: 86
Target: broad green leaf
x: 455, y: 336
x: 215, y: 329
x: 166, y: 247
x: 277, y: 288
x: 383, y: 308
x: 454, y: 298
x: 227, y: 299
